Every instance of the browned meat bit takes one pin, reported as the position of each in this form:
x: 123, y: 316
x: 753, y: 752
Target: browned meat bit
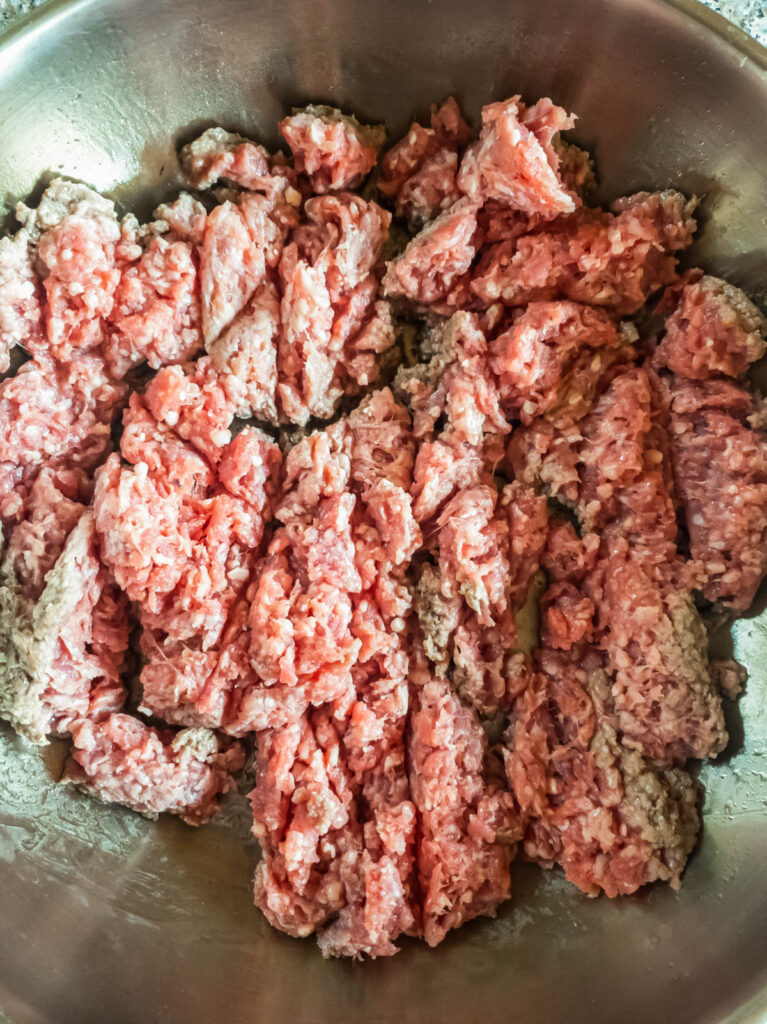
x: 609, y: 817
x: 576, y: 168
x: 119, y: 759
x: 332, y: 149
x: 729, y: 676
x: 438, y: 616
x: 465, y: 823
x: 713, y: 328
x: 720, y: 468
x: 419, y: 171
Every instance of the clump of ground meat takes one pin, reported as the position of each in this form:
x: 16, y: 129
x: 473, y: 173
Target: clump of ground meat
x: 332, y: 149
x: 119, y: 759
x: 419, y: 171
x: 720, y: 469
x: 466, y: 825
x: 62, y: 619
x: 613, y: 820
x: 514, y: 161
x: 457, y: 617
x: 713, y: 328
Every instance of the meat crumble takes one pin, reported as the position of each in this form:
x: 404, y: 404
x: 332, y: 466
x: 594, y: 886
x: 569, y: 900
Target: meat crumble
x: 327, y: 540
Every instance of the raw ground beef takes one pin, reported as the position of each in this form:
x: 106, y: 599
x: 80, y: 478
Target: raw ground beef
x: 419, y: 171
x: 63, y: 621
x: 720, y: 468
x: 467, y: 823
x: 613, y: 820
x: 119, y: 759
x: 713, y: 328
x: 458, y: 617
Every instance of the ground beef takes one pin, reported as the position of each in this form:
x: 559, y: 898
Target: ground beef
x: 332, y: 149
x: 551, y: 357
x: 465, y: 824
x: 20, y: 306
x: 433, y: 270
x: 456, y: 386
x: 514, y: 160
x: 419, y: 171
x: 665, y: 700
x: 365, y: 607
x: 62, y: 620
x: 119, y: 759
x: 720, y: 468
x: 613, y: 820
x: 713, y: 328
x: 156, y: 311
x: 616, y: 259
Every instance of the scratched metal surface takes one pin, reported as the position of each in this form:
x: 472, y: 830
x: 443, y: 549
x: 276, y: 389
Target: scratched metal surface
x: 107, y: 917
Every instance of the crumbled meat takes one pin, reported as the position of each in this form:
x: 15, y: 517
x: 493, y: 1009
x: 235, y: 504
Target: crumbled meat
x: 616, y: 259
x: 156, y: 312
x: 465, y: 823
x: 432, y: 269
x: 612, y: 819
x: 119, y: 759
x: 517, y: 535
x: 720, y: 469
x: 20, y: 308
x: 713, y: 328
x: 514, y: 160
x: 333, y: 149
x: 456, y: 384
x: 551, y: 356
x: 62, y: 621
x: 419, y: 171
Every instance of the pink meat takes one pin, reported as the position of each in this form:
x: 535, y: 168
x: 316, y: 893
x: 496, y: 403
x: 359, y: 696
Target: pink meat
x: 514, y: 161
x: 465, y: 825
x: 625, y: 471
x: 304, y: 356
x: 713, y: 328
x: 720, y: 469
x: 220, y: 154
x: 419, y: 171
x: 551, y: 357
x: 247, y: 350
x: 184, y: 219
x: 63, y: 621
x: 332, y: 149
x: 665, y: 700
x: 616, y: 259
x: 456, y: 385
x: 301, y: 609
x: 120, y: 759
x: 344, y: 234
x: 611, y: 819
x: 231, y: 266
x: 156, y: 312
x: 442, y: 468
x: 75, y: 233
x: 489, y: 549
x: 432, y: 268
x: 302, y: 810
x: 20, y: 298
x: 55, y: 416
